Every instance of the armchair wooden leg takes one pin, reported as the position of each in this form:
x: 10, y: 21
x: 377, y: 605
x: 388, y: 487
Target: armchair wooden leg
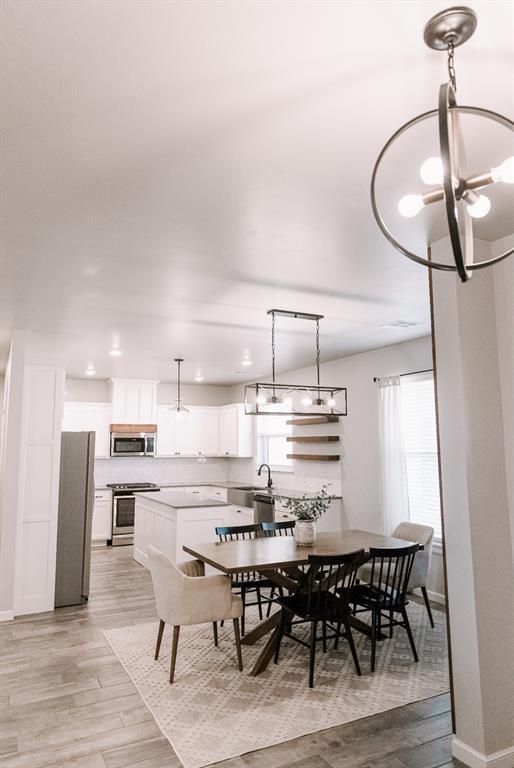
x: 427, y: 604
x: 159, y: 639
x: 215, y: 631
x: 238, y: 644
x: 174, y: 647
x: 243, y: 598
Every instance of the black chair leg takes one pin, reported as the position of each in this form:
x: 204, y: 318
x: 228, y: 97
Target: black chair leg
x: 259, y: 602
x: 243, y: 598
x: 373, y: 638
x: 338, y: 632
x: 215, y: 631
x: 427, y: 604
x: 324, y: 629
x: 314, y: 629
x: 280, y: 631
x: 159, y: 639
x: 406, y: 624
x: 271, y: 596
x: 391, y: 617
x: 349, y: 637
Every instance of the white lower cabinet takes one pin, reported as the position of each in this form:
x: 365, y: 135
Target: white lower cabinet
x: 101, y: 529
x: 241, y: 515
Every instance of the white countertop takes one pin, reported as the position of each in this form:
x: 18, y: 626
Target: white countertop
x: 179, y: 500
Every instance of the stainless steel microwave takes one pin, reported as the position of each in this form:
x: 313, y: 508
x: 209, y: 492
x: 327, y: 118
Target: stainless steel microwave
x: 132, y: 444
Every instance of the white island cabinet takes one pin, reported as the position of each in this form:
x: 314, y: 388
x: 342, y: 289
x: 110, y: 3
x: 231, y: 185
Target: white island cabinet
x: 170, y: 519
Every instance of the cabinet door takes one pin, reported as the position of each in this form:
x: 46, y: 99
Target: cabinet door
x: 207, y: 431
x: 134, y: 402
x: 101, y: 528
x: 97, y: 418
x: 227, y: 425
x: 185, y: 435
x: 164, y: 437
x: 73, y: 417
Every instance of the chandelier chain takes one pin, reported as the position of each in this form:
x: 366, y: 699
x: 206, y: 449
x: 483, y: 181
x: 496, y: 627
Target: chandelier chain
x: 451, y: 64
x: 317, y: 349
x: 273, y: 346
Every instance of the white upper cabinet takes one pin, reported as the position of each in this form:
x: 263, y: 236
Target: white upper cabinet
x: 90, y: 417
x: 134, y: 401
x: 207, y: 431
x: 235, y: 431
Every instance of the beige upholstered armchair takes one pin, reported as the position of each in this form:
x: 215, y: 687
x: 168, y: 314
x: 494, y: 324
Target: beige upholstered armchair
x: 420, y: 534
x: 184, y: 595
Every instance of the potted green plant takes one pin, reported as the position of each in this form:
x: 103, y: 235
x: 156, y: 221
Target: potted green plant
x: 307, y: 510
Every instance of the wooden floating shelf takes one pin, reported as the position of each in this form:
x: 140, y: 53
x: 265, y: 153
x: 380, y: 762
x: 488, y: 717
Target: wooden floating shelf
x: 313, y: 456
x: 313, y: 420
x: 314, y: 439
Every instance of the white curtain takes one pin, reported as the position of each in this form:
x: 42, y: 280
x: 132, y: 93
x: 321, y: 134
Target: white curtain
x: 394, y: 494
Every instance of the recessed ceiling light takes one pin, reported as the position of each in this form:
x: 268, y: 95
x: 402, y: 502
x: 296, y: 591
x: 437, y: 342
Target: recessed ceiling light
x: 90, y: 371
x: 246, y: 362
x: 400, y: 324
x: 198, y: 377
x: 240, y: 373
x: 115, y: 352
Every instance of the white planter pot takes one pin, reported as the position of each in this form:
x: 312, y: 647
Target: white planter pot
x: 305, y: 533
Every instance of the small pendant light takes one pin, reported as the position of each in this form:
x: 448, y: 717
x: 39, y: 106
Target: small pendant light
x: 178, y: 410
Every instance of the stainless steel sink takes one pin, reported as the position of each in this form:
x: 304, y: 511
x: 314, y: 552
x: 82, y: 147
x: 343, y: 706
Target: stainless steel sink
x: 243, y: 496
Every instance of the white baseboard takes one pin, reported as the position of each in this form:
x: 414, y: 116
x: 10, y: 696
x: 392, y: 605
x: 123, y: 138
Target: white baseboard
x: 470, y: 757
x: 6, y: 615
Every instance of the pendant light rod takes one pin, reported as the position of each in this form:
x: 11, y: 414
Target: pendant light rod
x: 178, y: 361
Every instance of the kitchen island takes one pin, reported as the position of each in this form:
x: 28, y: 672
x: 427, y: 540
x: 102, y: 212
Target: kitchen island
x: 171, y: 519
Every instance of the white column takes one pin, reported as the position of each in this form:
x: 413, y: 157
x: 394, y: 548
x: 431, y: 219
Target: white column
x: 30, y: 481
x: 474, y: 385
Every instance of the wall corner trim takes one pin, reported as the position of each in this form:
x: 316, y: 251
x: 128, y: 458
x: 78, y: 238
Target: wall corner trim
x: 470, y: 757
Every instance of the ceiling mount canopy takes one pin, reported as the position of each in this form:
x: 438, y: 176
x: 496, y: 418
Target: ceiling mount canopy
x: 178, y: 410
x: 448, y: 175
x: 294, y: 399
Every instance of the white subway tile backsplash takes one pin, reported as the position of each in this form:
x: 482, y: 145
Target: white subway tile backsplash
x: 160, y: 471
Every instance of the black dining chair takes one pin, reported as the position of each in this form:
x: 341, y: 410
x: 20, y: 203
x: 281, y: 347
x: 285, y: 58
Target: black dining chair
x: 251, y: 581
x: 384, y: 595
x: 322, y: 601
x: 282, y: 528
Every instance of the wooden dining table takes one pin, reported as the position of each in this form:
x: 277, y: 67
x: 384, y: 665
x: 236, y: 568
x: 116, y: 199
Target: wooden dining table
x: 278, y: 558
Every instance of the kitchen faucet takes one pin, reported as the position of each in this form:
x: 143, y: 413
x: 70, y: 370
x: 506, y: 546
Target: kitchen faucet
x: 270, y: 481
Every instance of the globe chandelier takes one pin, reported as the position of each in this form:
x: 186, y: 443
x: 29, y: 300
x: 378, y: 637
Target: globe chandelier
x: 448, y: 176
x: 271, y: 398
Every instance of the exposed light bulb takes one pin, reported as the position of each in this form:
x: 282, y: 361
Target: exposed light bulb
x: 90, y: 371
x: 480, y: 208
x: 287, y: 403
x: 307, y: 401
x: 410, y: 205
x: 198, y: 378
x: 115, y: 352
x: 261, y: 400
x: 330, y: 402
x: 431, y: 171
x: 504, y: 172
x: 246, y: 362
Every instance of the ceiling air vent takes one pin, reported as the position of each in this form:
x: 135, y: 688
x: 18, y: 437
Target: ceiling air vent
x: 400, y: 324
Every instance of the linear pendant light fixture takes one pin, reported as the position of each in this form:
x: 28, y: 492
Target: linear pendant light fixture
x: 448, y: 175
x: 263, y: 399
x: 178, y: 410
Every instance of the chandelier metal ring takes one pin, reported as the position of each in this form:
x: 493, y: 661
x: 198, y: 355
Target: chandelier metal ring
x: 450, y: 110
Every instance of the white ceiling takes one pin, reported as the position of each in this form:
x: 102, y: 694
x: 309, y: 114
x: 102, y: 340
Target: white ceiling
x: 172, y: 170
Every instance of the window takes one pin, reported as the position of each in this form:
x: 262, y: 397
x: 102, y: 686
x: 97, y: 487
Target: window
x: 272, y: 446
x: 420, y: 446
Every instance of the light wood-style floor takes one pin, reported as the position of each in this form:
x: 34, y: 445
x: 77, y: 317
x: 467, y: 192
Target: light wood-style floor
x: 66, y: 702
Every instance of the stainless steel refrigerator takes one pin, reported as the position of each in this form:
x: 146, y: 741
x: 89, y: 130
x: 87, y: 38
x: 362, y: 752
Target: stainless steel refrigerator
x: 76, y: 500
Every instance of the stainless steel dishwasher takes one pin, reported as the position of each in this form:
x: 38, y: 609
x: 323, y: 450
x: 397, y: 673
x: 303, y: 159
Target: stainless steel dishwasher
x: 264, y: 508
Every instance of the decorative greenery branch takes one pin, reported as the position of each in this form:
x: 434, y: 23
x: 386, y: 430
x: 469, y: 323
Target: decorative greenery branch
x: 308, y: 508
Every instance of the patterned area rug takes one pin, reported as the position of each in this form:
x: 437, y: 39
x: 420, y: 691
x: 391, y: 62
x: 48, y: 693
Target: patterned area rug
x: 213, y: 712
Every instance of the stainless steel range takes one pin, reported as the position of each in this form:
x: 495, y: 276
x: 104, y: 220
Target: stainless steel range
x: 123, y: 510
